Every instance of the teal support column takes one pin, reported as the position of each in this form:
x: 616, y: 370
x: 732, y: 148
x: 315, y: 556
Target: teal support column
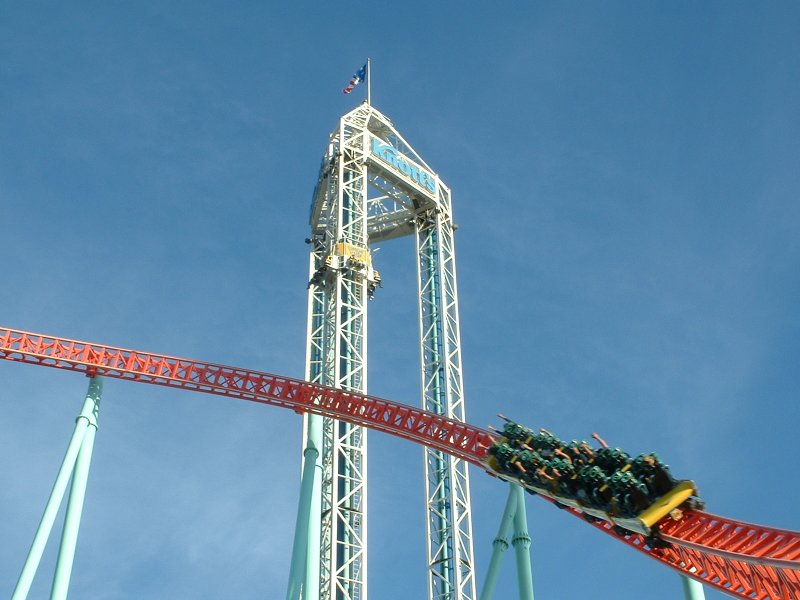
x: 56, y: 496
x: 499, y: 545
x: 522, y: 545
x: 297, y: 569
x: 72, y: 518
x: 312, y: 583
x: 514, y: 516
x: 692, y: 590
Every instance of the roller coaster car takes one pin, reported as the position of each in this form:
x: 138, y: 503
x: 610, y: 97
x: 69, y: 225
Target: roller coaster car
x: 682, y: 494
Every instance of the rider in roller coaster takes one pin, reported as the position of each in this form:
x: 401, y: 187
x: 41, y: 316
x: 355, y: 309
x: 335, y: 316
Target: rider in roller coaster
x: 606, y: 478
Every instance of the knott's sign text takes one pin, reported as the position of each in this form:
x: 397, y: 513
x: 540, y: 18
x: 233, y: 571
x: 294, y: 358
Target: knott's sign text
x: 402, y: 165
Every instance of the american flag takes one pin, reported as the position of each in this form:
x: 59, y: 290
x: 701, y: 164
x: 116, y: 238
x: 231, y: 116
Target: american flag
x: 360, y: 76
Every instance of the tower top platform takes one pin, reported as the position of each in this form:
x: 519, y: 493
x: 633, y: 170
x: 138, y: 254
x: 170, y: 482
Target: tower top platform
x: 401, y: 184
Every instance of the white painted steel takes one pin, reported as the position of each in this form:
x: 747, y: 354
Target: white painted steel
x: 449, y: 523
x: 362, y: 198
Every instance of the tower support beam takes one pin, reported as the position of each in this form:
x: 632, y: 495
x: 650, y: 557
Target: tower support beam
x: 339, y: 286
x: 449, y: 521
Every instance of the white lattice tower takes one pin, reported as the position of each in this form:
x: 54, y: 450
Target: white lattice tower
x: 373, y: 187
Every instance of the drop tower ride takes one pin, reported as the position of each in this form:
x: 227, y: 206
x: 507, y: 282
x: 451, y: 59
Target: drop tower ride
x: 374, y: 187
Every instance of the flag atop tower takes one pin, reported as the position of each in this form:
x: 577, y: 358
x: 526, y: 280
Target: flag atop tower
x: 360, y: 76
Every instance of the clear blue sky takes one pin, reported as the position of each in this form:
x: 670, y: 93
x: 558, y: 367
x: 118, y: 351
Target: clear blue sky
x: 625, y: 177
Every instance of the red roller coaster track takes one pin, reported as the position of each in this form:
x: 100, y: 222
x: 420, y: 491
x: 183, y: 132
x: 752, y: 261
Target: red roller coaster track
x: 743, y: 560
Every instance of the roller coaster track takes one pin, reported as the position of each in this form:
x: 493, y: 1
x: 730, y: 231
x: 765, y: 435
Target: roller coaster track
x: 740, y: 559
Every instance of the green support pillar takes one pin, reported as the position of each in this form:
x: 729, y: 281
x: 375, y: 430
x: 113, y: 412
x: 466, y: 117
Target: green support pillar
x: 87, y: 419
x: 692, y: 590
x: 514, y: 516
x: 299, y: 565
x: 312, y: 582
x: 304, y: 568
x: 72, y: 518
x: 522, y: 547
x: 499, y: 546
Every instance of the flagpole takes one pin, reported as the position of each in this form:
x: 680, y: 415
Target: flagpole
x: 369, y: 82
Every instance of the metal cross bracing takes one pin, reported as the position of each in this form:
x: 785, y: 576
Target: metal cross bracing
x: 336, y: 356
x: 447, y: 480
x: 737, y: 558
x: 374, y: 187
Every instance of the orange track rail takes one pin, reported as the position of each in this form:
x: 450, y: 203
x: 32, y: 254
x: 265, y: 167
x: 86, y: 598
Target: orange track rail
x: 743, y: 560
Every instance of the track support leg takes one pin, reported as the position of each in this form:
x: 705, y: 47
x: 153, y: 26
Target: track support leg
x: 692, y: 590
x: 514, y: 516
x: 311, y: 586
x: 77, y: 493
x: 307, y: 526
x: 499, y: 546
x: 76, y: 460
x: 522, y: 546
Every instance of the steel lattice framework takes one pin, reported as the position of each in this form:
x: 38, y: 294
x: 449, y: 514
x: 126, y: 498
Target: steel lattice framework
x: 373, y: 187
x: 337, y: 347
x: 737, y: 558
x: 447, y: 480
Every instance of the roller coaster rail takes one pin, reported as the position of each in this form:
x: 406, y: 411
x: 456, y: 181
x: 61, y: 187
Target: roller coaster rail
x: 740, y: 559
